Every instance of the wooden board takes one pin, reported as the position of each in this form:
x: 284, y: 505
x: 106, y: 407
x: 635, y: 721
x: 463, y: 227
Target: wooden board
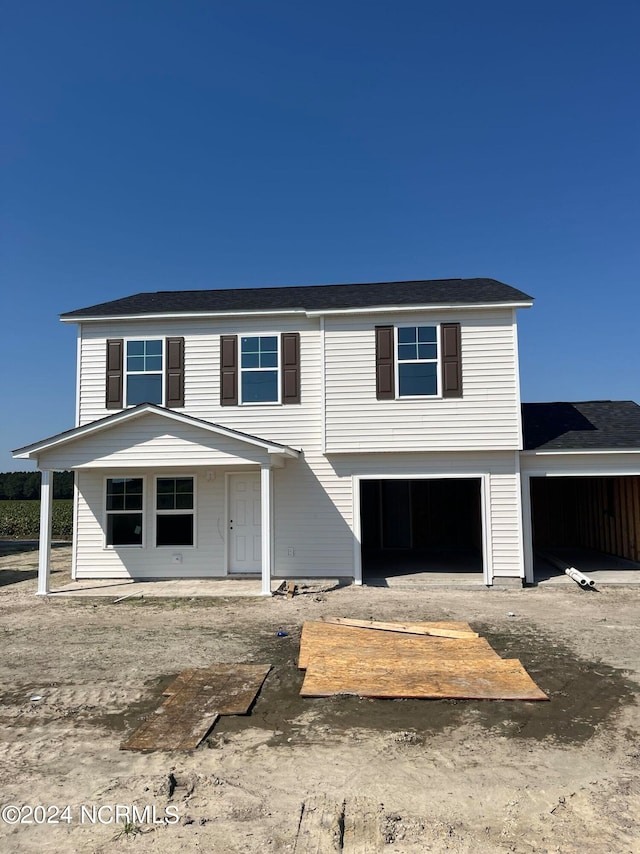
x: 362, y: 833
x: 319, y: 826
x: 483, y: 679
x: 180, y: 723
x: 328, y: 638
x: 235, y: 685
x: 197, y: 697
x: 406, y: 628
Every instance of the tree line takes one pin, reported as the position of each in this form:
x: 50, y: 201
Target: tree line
x: 25, y: 485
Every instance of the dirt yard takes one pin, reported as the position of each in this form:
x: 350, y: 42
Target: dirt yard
x: 309, y: 775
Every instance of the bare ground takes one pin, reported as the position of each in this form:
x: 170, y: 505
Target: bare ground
x: 320, y: 775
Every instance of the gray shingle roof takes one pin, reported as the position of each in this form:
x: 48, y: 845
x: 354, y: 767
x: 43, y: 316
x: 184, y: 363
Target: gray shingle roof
x: 309, y: 298
x: 583, y: 425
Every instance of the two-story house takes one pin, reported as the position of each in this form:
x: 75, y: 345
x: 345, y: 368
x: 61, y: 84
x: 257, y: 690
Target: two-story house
x: 336, y: 430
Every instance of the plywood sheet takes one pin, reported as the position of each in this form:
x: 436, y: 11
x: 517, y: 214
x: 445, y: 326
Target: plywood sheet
x: 180, y: 723
x: 235, y: 685
x: 197, y: 697
x: 328, y: 638
x: 483, y: 679
x: 405, y: 628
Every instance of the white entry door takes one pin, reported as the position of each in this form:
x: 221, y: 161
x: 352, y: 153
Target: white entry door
x: 244, y: 522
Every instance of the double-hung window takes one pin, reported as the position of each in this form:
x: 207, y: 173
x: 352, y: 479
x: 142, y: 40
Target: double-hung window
x: 260, y: 369
x: 124, y: 511
x: 144, y: 363
x: 259, y: 359
x: 144, y: 370
x: 175, y: 511
x: 417, y: 361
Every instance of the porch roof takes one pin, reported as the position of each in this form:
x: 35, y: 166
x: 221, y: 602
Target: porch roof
x: 119, y: 419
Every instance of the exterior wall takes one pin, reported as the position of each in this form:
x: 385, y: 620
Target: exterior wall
x: 306, y: 519
x: 95, y: 561
x: 502, y: 534
x: 152, y: 440
x: 595, y: 464
x: 314, y: 514
x: 599, y: 464
x: 298, y: 425
x: 487, y: 416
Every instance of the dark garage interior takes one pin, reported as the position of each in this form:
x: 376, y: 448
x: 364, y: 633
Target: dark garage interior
x: 586, y: 520
x: 420, y: 526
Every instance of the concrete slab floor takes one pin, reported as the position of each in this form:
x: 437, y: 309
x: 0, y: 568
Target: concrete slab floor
x: 180, y: 588
x: 603, y: 568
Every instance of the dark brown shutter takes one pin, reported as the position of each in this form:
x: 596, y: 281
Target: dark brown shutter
x: 175, y: 372
x: 385, y: 384
x: 228, y: 370
x: 115, y: 348
x: 451, y: 360
x: 290, y: 354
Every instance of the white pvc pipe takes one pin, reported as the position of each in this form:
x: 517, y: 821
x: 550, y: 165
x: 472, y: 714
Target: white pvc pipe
x: 579, y: 577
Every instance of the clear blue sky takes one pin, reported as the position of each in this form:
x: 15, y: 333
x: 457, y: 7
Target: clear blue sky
x: 156, y: 145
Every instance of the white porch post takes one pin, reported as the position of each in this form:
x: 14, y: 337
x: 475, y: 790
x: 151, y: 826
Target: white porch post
x: 44, y: 555
x: 266, y: 520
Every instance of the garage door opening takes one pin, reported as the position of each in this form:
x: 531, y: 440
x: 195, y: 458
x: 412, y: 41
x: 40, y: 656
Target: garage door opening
x: 592, y: 523
x: 411, y: 527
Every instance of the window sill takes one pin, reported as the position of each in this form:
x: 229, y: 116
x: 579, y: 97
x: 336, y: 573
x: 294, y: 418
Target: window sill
x: 116, y: 548
x: 419, y: 397
x: 166, y: 548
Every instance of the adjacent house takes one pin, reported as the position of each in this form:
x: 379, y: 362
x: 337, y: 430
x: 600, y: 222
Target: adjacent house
x: 335, y: 430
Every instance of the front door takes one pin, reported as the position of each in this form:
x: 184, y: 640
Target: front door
x: 244, y: 522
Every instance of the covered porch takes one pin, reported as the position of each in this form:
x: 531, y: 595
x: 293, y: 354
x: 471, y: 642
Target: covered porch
x: 162, y: 496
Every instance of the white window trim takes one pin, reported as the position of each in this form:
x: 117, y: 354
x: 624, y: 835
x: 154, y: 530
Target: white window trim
x: 397, y: 362
x: 126, y: 373
x: 278, y: 369
x: 106, y: 513
x: 181, y: 512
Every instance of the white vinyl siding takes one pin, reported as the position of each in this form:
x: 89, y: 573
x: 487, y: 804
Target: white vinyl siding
x: 156, y: 442
x: 485, y: 417
x: 576, y: 464
x: 313, y: 495
x: 503, y: 526
x: 298, y: 426
x: 313, y: 516
x: 95, y: 561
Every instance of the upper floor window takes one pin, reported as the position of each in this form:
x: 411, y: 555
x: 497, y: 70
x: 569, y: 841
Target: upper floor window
x: 259, y: 369
x: 124, y: 511
x: 418, y: 361
x: 144, y: 372
x: 417, y: 351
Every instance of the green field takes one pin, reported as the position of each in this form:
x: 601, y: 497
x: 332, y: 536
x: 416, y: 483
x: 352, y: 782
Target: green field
x: 20, y: 520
